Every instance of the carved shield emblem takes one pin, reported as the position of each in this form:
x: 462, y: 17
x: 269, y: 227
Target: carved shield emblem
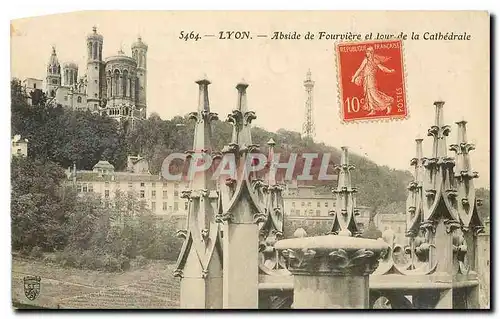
x: 32, y: 287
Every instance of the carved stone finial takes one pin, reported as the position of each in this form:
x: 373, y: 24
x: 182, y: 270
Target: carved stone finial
x: 203, y: 80
x: 242, y: 85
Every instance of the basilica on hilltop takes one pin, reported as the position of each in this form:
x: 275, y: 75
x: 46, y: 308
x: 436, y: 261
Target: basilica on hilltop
x: 115, y: 86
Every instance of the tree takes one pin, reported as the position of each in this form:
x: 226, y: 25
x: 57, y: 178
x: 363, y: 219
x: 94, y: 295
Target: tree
x: 66, y: 136
x: 39, y: 204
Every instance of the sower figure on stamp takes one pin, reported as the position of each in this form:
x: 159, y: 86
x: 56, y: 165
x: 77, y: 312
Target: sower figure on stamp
x: 375, y: 100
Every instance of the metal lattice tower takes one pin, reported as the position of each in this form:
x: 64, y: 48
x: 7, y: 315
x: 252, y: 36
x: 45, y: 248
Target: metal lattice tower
x: 308, y: 129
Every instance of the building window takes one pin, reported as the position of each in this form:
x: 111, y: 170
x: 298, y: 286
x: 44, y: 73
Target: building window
x: 318, y: 204
x: 186, y: 205
x: 153, y: 194
x: 308, y: 204
x: 95, y: 81
x: 176, y: 194
x: 153, y: 184
x: 65, y: 97
x: 142, y: 184
x: 34, y: 85
x: 165, y: 194
x: 52, y: 93
x: 153, y: 206
x: 326, y: 204
x: 84, y: 188
x: 176, y: 185
x: 106, y: 184
x: 106, y: 193
x: 165, y: 206
x: 165, y: 184
x: 142, y: 194
x: 318, y: 212
x: 170, y: 208
x: 293, y: 204
x: 79, y: 99
x: 303, y: 204
x: 130, y: 185
x: 176, y: 206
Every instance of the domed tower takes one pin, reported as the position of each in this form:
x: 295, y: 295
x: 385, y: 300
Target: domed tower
x: 53, y: 74
x: 70, y: 74
x: 139, y: 53
x: 121, y: 78
x: 94, y: 69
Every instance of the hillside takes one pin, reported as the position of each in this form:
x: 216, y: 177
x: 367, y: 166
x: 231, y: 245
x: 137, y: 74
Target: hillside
x: 85, y: 138
x: 378, y: 185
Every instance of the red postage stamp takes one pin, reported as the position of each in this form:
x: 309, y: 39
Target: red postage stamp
x: 371, y: 80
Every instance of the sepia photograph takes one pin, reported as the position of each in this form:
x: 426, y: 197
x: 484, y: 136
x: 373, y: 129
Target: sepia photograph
x: 250, y: 160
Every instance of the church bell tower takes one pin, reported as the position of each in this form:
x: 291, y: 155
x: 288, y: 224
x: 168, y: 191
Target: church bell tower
x: 95, y: 70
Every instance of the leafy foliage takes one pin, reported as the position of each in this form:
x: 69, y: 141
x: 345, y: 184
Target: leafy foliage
x: 119, y: 230
x: 38, y: 204
x: 86, y: 231
x: 66, y: 136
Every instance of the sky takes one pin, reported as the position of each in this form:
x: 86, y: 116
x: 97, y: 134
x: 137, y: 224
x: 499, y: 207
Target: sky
x: 456, y: 72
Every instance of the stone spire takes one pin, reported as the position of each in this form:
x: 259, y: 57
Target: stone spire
x: 439, y: 132
x: 53, y: 76
x: 241, y: 118
x: 438, y: 179
x: 345, y: 211
x: 464, y: 176
x: 54, y: 66
x: 241, y: 147
x: 241, y: 211
x: 441, y: 205
x: 200, y: 260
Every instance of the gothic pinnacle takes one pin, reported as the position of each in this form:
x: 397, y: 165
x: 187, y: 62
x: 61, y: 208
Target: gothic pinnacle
x: 203, y: 101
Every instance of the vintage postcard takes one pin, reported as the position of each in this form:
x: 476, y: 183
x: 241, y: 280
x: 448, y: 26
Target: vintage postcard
x: 251, y: 160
